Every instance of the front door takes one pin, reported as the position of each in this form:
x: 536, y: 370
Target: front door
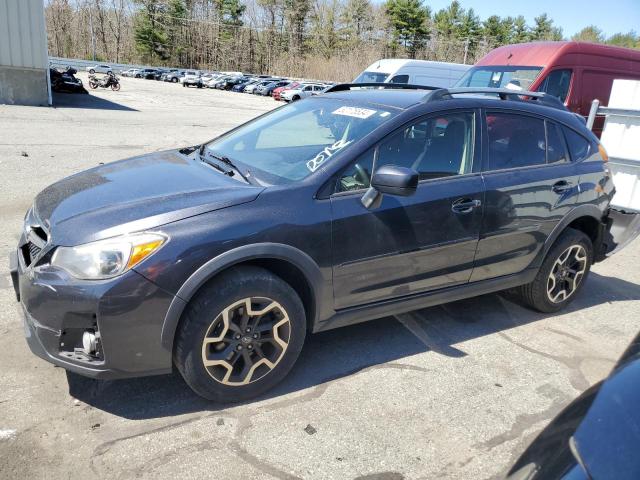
x: 410, y: 244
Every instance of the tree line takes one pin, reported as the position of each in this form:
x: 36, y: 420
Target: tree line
x: 324, y: 39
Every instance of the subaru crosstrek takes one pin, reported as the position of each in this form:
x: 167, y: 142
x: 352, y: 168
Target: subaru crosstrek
x: 348, y: 206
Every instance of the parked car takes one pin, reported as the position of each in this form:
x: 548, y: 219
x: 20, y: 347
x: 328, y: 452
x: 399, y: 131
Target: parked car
x: 284, y: 226
x: 242, y: 86
x: 174, y: 77
x: 596, y: 436
x: 147, y: 73
x: 191, y: 78
x: 267, y: 90
x: 278, y: 91
x: 135, y: 73
x: 128, y: 72
x: 575, y: 72
x: 303, y: 90
x: 99, y: 69
x: 260, y: 83
x: 229, y: 82
x: 416, y: 72
x: 161, y: 74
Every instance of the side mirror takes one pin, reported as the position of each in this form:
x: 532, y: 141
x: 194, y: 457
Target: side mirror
x: 392, y: 180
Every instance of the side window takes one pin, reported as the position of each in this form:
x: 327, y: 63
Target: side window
x: 400, y: 79
x: 579, y: 147
x: 435, y: 147
x: 358, y: 175
x: 557, y: 84
x: 515, y: 141
x: 556, y: 149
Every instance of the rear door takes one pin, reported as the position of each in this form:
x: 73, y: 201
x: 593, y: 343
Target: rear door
x: 530, y: 184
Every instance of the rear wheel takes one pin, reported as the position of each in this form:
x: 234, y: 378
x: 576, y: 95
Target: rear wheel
x: 240, y: 335
x: 295, y: 97
x: 93, y: 85
x: 562, y: 273
x: 92, y: 71
x: 174, y: 80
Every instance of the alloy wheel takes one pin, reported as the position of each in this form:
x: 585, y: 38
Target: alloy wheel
x: 567, y: 273
x: 246, y: 341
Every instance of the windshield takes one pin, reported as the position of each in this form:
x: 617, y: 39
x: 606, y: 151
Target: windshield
x: 292, y: 142
x: 500, y: 76
x: 371, y: 77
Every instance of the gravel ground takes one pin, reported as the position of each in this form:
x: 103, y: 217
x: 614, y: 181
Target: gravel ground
x: 456, y: 391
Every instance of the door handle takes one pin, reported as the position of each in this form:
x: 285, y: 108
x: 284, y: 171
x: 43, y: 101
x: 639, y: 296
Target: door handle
x: 561, y: 186
x: 465, y: 205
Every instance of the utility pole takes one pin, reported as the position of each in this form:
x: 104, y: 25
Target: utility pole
x: 93, y: 37
x: 466, y: 50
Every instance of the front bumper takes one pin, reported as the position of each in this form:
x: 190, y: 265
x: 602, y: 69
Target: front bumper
x: 128, y: 313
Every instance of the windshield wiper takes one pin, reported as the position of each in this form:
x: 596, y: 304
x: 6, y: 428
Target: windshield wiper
x: 229, y: 162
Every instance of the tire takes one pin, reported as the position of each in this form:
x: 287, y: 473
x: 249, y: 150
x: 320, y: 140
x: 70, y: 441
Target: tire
x: 295, y: 98
x: 538, y: 294
x: 174, y: 80
x: 92, y: 71
x: 109, y: 72
x: 115, y: 87
x: 93, y: 85
x: 234, y: 378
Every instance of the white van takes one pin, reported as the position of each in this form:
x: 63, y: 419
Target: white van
x: 415, y: 72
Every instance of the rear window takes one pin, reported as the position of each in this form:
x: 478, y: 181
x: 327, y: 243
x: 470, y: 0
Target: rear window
x: 579, y: 147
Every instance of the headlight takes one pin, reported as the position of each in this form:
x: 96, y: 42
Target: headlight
x: 107, y: 258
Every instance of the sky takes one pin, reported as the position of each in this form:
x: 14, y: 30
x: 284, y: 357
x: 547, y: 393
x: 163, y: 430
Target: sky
x: 611, y: 16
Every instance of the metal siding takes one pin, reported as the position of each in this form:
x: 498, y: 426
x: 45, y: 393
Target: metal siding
x: 23, y: 37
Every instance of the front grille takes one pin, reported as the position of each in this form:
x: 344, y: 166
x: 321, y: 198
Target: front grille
x: 34, y: 250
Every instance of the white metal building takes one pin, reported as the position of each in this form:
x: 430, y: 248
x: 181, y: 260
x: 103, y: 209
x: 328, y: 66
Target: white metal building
x: 24, y: 64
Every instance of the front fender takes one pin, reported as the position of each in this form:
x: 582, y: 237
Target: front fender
x: 235, y: 256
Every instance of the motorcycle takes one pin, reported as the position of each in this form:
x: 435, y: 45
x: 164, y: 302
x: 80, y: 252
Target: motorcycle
x: 110, y: 80
x: 64, y: 80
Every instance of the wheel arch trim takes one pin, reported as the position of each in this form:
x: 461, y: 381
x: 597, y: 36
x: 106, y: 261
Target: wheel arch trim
x: 245, y: 253
x: 591, y: 211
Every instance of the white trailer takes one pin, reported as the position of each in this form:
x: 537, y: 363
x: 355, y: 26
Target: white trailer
x: 621, y: 139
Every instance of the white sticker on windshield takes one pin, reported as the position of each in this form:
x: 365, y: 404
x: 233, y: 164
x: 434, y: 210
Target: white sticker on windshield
x: 354, y: 112
x: 325, y: 154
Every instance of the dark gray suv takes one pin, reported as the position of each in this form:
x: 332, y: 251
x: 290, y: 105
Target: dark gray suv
x: 349, y: 206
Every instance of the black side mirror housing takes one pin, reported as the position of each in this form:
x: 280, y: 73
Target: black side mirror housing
x: 392, y: 180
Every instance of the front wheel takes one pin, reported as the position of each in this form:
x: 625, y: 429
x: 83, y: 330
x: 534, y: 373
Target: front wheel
x: 92, y: 71
x: 115, y: 87
x: 295, y: 98
x: 562, y: 274
x: 240, y: 335
x: 93, y: 85
x: 174, y: 80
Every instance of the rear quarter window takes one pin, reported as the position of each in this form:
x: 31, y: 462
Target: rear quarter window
x: 579, y: 147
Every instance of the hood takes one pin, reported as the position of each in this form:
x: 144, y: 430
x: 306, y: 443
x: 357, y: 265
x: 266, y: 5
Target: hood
x: 136, y: 194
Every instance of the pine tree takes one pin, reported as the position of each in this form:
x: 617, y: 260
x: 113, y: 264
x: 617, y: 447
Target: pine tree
x: 408, y: 19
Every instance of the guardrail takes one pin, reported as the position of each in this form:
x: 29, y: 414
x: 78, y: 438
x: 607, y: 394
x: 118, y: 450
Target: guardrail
x: 81, y: 65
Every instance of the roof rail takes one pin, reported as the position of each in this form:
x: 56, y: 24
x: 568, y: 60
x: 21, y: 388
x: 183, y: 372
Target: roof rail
x: 503, y: 93
x: 340, y: 87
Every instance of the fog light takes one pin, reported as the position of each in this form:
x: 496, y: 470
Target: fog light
x: 89, y: 342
